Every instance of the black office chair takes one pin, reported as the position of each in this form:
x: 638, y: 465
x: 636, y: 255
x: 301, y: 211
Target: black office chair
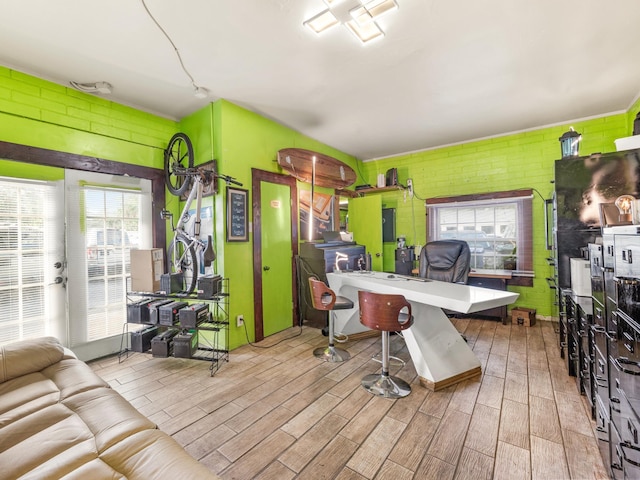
x: 445, y: 260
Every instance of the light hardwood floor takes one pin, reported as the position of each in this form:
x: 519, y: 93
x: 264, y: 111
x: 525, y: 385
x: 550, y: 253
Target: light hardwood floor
x: 280, y: 413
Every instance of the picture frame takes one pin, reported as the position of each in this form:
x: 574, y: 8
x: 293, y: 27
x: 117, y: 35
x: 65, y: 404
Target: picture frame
x: 210, y: 189
x: 237, y: 215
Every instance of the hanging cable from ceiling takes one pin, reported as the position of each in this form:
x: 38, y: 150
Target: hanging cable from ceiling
x: 199, y: 91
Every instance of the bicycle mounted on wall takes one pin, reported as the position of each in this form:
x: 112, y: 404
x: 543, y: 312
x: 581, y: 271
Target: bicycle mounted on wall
x: 180, y: 175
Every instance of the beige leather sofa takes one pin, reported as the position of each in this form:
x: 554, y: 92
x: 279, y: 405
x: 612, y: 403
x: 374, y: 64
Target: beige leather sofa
x: 58, y: 419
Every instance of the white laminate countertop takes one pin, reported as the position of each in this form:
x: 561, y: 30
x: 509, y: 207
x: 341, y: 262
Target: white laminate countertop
x: 452, y: 296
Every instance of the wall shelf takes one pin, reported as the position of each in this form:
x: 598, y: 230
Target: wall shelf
x: 365, y: 191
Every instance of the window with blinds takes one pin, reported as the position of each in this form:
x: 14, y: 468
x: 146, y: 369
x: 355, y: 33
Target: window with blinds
x: 497, y: 227
x: 112, y: 228
x: 28, y: 252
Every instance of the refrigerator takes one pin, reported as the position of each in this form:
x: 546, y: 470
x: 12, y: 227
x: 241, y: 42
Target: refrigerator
x: 582, y: 184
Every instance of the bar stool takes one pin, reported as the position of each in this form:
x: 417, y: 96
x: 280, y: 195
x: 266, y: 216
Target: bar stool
x: 386, y: 313
x: 323, y: 298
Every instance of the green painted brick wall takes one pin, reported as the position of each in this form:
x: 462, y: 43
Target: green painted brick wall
x: 244, y: 140
x: 510, y: 162
x: 39, y: 113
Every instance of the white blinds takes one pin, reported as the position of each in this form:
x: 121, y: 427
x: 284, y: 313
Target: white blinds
x: 112, y: 228
x: 30, y: 245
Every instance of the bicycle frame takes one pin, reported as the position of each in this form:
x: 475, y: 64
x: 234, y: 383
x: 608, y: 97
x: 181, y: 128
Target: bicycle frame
x: 196, y: 192
x: 186, y: 249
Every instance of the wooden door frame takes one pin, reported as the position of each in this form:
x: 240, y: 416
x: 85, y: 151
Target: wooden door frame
x: 53, y: 158
x: 258, y: 176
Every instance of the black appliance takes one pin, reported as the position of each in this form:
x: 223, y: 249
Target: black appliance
x: 405, y: 260
x: 391, y: 177
x: 581, y: 184
x: 317, y: 259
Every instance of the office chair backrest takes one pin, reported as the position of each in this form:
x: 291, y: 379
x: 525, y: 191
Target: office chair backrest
x: 446, y: 260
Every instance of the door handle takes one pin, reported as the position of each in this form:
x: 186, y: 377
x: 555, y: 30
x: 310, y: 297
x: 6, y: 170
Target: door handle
x: 378, y: 254
x: 57, y: 265
x: 266, y: 267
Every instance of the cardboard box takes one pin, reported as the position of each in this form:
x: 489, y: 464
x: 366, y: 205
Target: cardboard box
x: 523, y: 316
x: 146, y: 268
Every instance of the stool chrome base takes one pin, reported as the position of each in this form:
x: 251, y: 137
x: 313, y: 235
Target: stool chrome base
x: 386, y: 386
x: 331, y: 354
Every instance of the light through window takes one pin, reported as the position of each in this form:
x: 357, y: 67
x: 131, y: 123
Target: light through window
x: 497, y: 229
x: 112, y: 229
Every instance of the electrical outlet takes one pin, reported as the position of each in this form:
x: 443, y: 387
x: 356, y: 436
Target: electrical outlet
x: 240, y: 320
x: 410, y: 186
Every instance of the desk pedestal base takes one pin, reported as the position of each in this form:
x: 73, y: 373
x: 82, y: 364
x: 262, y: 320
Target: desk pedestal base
x: 440, y: 355
x: 435, y: 386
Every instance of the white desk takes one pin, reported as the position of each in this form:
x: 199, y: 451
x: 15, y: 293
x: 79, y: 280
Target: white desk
x: 440, y: 354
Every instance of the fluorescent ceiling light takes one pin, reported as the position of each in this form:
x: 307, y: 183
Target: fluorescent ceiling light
x: 359, y: 19
x: 365, y: 33
x: 322, y: 21
x: 377, y: 8
x: 361, y: 15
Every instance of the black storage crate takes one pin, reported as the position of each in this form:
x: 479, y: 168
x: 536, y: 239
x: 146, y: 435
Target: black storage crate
x: 162, y: 345
x: 208, y: 286
x: 138, y: 312
x: 171, y: 283
x: 185, y: 345
x: 154, y: 316
x: 193, y: 315
x: 168, y: 313
x: 141, y: 340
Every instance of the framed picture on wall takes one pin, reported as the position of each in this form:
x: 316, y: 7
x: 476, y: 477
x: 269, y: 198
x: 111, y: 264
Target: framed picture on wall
x: 237, y: 215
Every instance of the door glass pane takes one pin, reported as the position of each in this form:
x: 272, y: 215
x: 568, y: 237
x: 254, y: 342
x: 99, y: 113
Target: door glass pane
x: 112, y: 218
x: 30, y: 300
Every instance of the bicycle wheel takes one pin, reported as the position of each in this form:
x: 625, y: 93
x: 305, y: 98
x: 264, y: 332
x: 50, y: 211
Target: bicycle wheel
x: 177, y: 157
x: 182, y: 259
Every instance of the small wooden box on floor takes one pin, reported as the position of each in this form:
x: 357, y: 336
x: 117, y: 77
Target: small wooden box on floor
x: 523, y: 316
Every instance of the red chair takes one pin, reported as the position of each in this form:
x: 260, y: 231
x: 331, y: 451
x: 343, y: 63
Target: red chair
x: 323, y: 298
x: 386, y: 313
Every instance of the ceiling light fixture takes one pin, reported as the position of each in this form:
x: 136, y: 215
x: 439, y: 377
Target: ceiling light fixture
x: 97, y: 87
x: 201, y: 92
x: 359, y: 18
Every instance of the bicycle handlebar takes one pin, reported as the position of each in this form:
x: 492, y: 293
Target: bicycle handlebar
x: 228, y: 179
x: 207, y: 174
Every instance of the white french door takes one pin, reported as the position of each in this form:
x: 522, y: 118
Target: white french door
x: 107, y: 216
x: 32, y: 263
x: 64, y: 257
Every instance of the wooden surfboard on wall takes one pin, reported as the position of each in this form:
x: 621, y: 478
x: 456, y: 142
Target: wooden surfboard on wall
x: 330, y: 172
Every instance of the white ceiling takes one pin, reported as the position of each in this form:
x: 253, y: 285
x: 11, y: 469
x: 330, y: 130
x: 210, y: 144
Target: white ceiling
x: 447, y: 71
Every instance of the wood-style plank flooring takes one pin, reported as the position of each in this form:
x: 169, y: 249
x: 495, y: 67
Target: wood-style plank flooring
x: 280, y: 413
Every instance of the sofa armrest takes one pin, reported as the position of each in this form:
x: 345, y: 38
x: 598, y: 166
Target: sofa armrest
x: 28, y: 356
